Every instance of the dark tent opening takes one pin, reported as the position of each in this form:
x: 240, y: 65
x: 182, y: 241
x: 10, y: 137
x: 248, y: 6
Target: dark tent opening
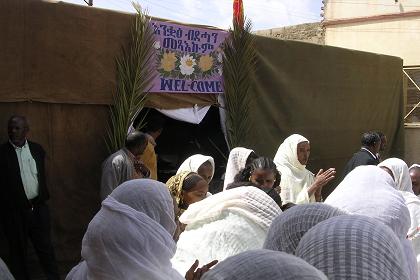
x: 179, y: 140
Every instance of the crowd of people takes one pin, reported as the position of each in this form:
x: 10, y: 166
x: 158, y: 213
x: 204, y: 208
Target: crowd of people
x: 269, y: 222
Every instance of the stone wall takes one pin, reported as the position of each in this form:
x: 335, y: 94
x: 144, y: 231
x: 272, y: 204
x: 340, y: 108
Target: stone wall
x: 308, y: 32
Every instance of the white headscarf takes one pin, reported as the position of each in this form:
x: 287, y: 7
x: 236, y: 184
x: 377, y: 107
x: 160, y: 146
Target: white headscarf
x: 370, y: 191
x: 354, y: 247
x: 402, y: 179
x: 194, y: 162
x: 4, y: 272
x: 236, y: 161
x: 224, y: 225
x: 288, y: 228
x: 128, y: 239
x: 414, y: 165
x: 295, y: 178
x: 264, y: 264
x: 400, y: 172
x: 249, y: 202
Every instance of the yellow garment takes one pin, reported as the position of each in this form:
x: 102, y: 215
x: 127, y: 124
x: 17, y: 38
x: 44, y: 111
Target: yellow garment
x: 150, y: 160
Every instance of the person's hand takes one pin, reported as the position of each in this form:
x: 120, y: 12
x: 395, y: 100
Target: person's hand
x: 324, y: 177
x: 321, y: 179
x: 195, y: 273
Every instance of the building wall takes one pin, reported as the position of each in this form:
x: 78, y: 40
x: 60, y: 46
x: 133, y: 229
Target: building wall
x: 398, y: 37
x: 308, y: 32
x: 334, y: 9
x: 377, y: 26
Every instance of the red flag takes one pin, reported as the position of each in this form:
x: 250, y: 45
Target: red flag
x: 238, y: 12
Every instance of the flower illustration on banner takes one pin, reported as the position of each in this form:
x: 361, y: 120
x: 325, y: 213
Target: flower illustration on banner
x: 205, y: 63
x: 156, y: 45
x: 167, y: 63
x: 187, y: 65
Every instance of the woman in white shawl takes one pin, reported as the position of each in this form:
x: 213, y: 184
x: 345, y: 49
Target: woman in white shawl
x: 354, y: 247
x: 238, y: 159
x: 264, y: 265
x: 223, y: 225
x: 370, y: 191
x: 298, y: 184
x: 131, y: 237
x: 398, y: 170
x: 201, y: 164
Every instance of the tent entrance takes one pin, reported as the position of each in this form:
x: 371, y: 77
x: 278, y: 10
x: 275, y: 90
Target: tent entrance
x: 181, y: 139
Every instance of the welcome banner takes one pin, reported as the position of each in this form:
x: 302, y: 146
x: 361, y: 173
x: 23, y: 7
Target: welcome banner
x: 188, y: 59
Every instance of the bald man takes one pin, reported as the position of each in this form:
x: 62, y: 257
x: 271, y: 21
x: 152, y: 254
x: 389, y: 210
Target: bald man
x: 125, y: 164
x: 23, y: 193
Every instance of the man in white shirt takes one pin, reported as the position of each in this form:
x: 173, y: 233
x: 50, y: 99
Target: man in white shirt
x: 24, y: 213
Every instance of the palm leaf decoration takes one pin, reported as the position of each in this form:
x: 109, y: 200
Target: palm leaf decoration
x: 134, y: 76
x: 238, y: 66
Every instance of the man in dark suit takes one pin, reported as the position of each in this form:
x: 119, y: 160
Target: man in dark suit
x: 24, y: 213
x: 371, y: 143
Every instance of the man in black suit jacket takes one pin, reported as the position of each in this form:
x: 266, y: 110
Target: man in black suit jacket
x: 371, y: 143
x: 24, y: 213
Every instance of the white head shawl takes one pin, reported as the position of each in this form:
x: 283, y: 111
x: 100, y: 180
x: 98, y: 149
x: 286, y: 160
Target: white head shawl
x: 224, y: 225
x: 250, y: 202
x: 295, y: 178
x: 4, y: 272
x: 400, y: 172
x: 236, y: 161
x: 126, y: 243
x: 264, y: 264
x: 288, y: 228
x: 194, y: 162
x: 414, y: 166
x: 402, y: 178
x: 354, y: 247
x: 370, y: 191
x: 150, y: 197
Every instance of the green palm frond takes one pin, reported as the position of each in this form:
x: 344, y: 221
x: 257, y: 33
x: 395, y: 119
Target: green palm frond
x: 238, y: 66
x: 134, y: 79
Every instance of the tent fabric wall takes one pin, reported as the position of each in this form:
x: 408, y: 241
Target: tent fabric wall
x: 330, y: 95
x: 60, y: 60
x: 65, y: 53
x: 72, y: 136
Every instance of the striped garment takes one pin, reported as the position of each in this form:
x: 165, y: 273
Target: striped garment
x: 287, y: 229
x: 354, y: 247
